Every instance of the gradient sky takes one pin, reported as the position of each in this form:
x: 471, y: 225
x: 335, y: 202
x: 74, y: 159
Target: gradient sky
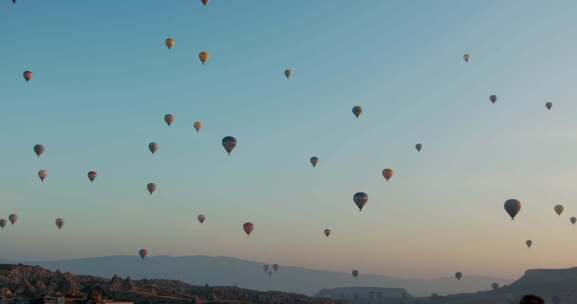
x: 103, y: 80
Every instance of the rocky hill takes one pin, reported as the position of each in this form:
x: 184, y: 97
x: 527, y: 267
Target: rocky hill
x: 20, y: 281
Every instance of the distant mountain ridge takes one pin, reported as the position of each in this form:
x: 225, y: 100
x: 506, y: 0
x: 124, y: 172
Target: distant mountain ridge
x: 227, y: 271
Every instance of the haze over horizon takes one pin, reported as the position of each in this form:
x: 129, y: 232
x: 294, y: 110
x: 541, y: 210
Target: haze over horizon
x: 103, y: 80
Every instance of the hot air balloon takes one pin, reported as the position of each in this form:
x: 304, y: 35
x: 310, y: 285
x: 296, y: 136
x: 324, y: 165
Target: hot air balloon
x: 355, y: 273
x: 360, y: 199
x: 38, y: 149
x: 493, y: 98
x: 151, y: 187
x: 495, y: 286
x: 287, y: 73
x: 265, y: 268
x: 573, y: 220
x: 512, y: 206
x: 248, y: 227
x: 3, y: 223
x: 204, y: 2
x: 357, y: 111
x: 549, y: 105
x: 197, y: 126
x: 42, y: 174
x: 418, y: 147
x: 458, y: 275
x: 143, y: 253
x: 92, y: 175
x: 170, y: 42
x: 229, y: 143
x: 275, y: 267
x: 559, y: 209
x: 27, y: 75
x: 13, y: 1
x: 314, y: 161
x: 203, y: 56
x: 152, y: 147
x: 529, y: 243
x: 59, y: 223
x: 168, y: 119
x: 327, y: 232
x: 466, y: 57
x: 13, y: 218
x: 387, y: 174
x: 201, y: 218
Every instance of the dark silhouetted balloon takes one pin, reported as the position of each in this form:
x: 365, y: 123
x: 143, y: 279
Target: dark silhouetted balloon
x: 198, y: 126
x: 92, y: 175
x: 287, y: 73
x: 360, y: 199
x: 529, y: 243
x: 512, y: 206
x: 42, y: 174
x: 355, y: 273
x: 559, y: 209
x: 204, y: 2
x: 169, y: 119
x: 143, y: 253
x: 387, y: 174
x: 203, y: 56
x: 466, y: 57
x: 38, y: 149
x: 27, y: 75
x: 418, y: 147
x: 549, y: 105
x: 59, y: 223
x: 201, y: 218
x: 152, y: 147
x: 493, y: 98
x: 248, y: 227
x: 229, y: 143
x: 458, y: 275
x: 357, y: 111
x: 3, y: 223
x: 151, y: 187
x: 327, y: 232
x: 573, y: 220
x: 170, y: 42
x: 275, y: 267
x: 13, y: 218
x: 314, y: 161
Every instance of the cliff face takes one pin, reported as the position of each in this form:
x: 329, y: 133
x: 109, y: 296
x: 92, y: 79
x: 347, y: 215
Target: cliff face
x: 34, y: 282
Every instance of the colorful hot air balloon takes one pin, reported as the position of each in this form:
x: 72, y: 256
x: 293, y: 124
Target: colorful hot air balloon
x: 197, y: 126
x: 27, y: 75
x: 59, y: 223
x: 152, y: 147
x: 495, y: 286
x: 201, y: 218
x: 42, y: 174
x: 387, y: 174
x: 287, y: 73
x: 493, y: 98
x: 204, y: 2
x: 357, y: 111
x: 466, y: 57
x: 327, y: 232
x: 275, y: 267
x: 151, y: 187
x: 92, y: 175
x: 38, y: 149
x: 355, y: 273
x: 168, y: 119
x: 170, y: 42
x: 559, y: 209
x: 549, y: 105
x: 458, y: 275
x: 203, y: 56
x: 248, y: 227
x: 573, y: 220
x: 418, y: 147
x: 360, y: 199
x: 229, y: 143
x: 13, y: 218
x: 314, y: 161
x: 512, y: 207
x: 143, y: 253
x: 529, y: 243
x: 3, y: 223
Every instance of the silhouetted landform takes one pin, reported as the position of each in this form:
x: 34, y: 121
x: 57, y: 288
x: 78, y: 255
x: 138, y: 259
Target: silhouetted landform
x: 20, y: 283
x: 557, y: 286
x: 368, y: 295
x: 200, y: 270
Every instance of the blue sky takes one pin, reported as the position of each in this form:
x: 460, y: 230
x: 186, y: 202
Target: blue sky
x: 103, y: 81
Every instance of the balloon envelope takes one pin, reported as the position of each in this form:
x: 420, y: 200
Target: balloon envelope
x: 275, y: 267
x: 355, y: 273
x: 387, y: 174
x: 151, y: 187
x: 92, y: 175
x: 512, y: 207
x: 201, y: 218
x: 204, y: 2
x: 287, y: 73
x: 229, y: 143
x: 27, y: 75
x: 458, y: 275
x: 143, y: 253
x: 42, y: 174
x: 203, y: 56
x: 559, y: 209
x: 529, y: 243
x: 357, y: 111
x: 59, y: 223
x: 197, y: 126
x: 314, y: 161
x: 493, y: 98
x: 13, y: 218
x: 169, y: 119
x: 38, y: 149
x: 549, y: 105
x: 466, y: 57
x: 419, y: 147
x: 170, y: 42
x: 248, y: 227
x: 360, y: 199
x: 3, y: 223
x: 152, y: 147
x: 327, y: 232
x: 573, y: 220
